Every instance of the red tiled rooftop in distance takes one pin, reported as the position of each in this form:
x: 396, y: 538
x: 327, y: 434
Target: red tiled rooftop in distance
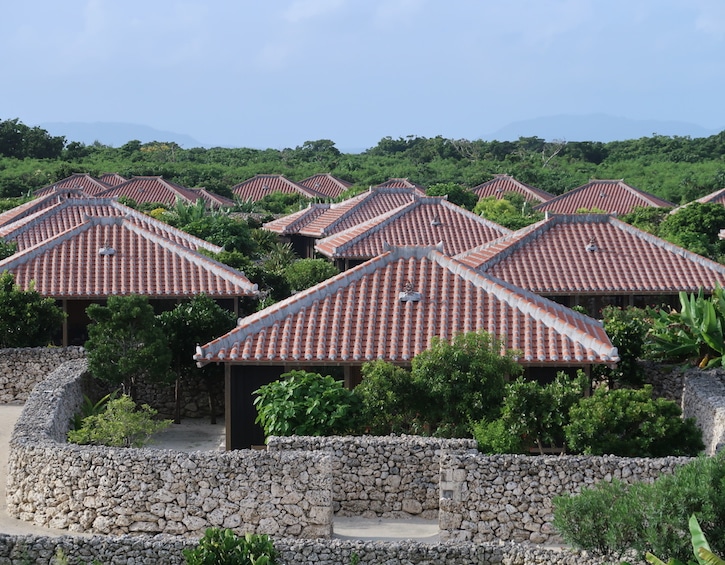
x: 501, y: 184
x: 392, y: 306
x: 32, y: 229
x: 717, y: 197
x: 593, y: 254
x: 401, y: 183
x: 212, y: 199
x: 259, y: 186
x: 326, y: 219
x: 426, y: 221
x: 112, y: 179
x: 150, y: 190
x: 326, y: 185
x: 89, y: 185
x: 72, y: 265
x: 609, y: 196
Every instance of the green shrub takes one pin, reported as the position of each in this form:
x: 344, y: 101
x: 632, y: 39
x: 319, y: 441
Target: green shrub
x: 121, y: 424
x: 630, y: 423
x: 612, y: 518
x: 90, y: 408
x: 627, y: 328
x: 303, y: 403
x: 224, y: 547
x: 495, y: 437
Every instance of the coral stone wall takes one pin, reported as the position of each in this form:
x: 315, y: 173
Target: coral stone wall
x: 509, y: 497
x: 22, y: 369
x: 703, y: 399
x: 117, y: 491
x: 389, y: 477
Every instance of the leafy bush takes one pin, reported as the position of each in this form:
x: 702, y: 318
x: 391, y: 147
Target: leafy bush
x: 461, y: 382
x: 495, y: 437
x: 121, y: 424
x: 303, y: 403
x: 305, y: 273
x: 90, y: 408
x: 630, y: 423
x: 387, y: 394
x: 627, y: 328
x: 612, y: 518
x: 224, y: 547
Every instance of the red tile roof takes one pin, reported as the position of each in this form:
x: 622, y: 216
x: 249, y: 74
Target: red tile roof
x: 112, y: 179
x: 401, y: 183
x: 425, y: 221
x: 112, y: 255
x: 326, y: 184
x: 212, y: 199
x: 150, y: 190
x: 717, y: 197
x: 36, y: 226
x: 593, y: 254
x: 82, y: 181
x: 392, y: 306
x: 33, y: 206
x: 259, y: 186
x: 501, y: 184
x: 610, y: 196
x: 321, y: 220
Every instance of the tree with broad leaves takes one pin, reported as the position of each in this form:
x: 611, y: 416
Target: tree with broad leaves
x: 126, y: 343
x: 192, y: 323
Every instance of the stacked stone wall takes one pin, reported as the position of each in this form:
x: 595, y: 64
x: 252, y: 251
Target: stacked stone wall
x: 703, y: 399
x: 389, y: 477
x: 117, y: 491
x: 23, y: 368
x: 509, y: 497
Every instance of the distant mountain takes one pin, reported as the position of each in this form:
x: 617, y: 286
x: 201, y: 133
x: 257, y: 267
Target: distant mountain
x: 115, y: 134
x: 596, y: 127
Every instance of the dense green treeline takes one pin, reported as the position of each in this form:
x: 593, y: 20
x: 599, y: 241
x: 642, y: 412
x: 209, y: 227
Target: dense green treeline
x: 678, y: 169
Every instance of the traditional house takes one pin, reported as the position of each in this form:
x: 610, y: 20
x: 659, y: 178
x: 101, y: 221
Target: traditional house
x: 390, y: 308
x: 501, y: 185
x: 304, y: 228
x: 594, y: 260
x: 259, y: 186
x: 607, y: 196
x: 151, y: 190
x: 425, y: 221
x: 82, y: 250
x: 79, y: 182
x: 326, y: 185
x: 401, y: 183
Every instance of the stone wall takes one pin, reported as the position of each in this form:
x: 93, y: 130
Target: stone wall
x: 117, y: 491
x: 509, y: 497
x: 389, y: 477
x: 22, y: 369
x: 704, y: 400
x: 167, y: 550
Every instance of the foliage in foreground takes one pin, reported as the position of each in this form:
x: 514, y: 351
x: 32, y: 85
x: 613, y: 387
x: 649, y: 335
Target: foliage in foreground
x: 701, y: 549
x: 612, y: 518
x: 223, y: 547
x: 121, y: 424
x: 303, y: 403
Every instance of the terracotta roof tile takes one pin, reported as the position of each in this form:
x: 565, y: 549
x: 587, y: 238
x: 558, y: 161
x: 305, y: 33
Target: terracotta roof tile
x: 30, y: 229
x: 212, y: 199
x: 610, y: 196
x: 424, y: 221
x: 151, y: 189
x: 593, y: 254
x: 111, y: 255
x: 326, y: 185
x: 401, y: 183
x: 82, y: 181
x: 327, y: 219
x: 392, y: 306
x: 717, y: 197
x: 259, y: 186
x: 112, y: 179
x: 501, y: 184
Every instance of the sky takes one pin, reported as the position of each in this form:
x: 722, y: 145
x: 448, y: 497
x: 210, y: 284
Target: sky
x: 277, y: 73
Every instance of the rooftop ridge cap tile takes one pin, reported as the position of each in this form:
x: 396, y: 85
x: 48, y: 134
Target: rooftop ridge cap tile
x: 358, y: 232
x: 31, y: 220
x: 475, y: 217
x: 653, y: 199
x: 219, y: 269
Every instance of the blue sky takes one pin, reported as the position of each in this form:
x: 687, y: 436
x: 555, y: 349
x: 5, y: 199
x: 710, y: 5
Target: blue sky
x: 276, y: 73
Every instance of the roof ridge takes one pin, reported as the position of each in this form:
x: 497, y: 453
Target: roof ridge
x: 33, y: 251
